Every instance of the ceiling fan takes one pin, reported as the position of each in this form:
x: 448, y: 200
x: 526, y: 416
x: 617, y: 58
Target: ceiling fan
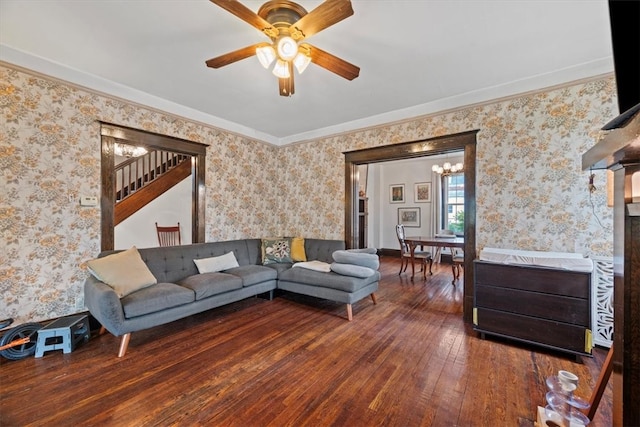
x: 288, y: 24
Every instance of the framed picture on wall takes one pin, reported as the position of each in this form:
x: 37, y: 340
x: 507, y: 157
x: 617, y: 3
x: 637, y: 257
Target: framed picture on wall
x: 396, y: 193
x: 409, y: 217
x: 422, y: 192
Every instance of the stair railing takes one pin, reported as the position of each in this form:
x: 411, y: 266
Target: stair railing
x: 137, y: 172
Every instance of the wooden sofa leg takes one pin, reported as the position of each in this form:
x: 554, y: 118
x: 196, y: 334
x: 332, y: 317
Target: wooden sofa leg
x: 124, y: 344
x: 103, y: 330
x: 373, y: 298
x: 349, y: 312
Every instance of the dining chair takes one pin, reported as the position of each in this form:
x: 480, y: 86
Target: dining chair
x: 169, y: 236
x: 457, y: 262
x: 405, y: 254
x: 442, y: 233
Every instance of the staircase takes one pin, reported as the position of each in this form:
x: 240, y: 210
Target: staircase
x: 139, y: 180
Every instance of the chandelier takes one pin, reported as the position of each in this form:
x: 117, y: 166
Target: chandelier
x: 447, y: 168
x: 126, y: 150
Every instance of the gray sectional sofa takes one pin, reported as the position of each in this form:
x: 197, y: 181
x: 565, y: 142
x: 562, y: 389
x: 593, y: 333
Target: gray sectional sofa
x: 181, y: 290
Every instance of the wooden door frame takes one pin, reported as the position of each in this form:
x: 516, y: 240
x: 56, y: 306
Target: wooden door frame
x: 110, y: 134
x: 464, y: 141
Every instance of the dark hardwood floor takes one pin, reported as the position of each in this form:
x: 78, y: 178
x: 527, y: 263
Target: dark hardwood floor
x: 296, y: 361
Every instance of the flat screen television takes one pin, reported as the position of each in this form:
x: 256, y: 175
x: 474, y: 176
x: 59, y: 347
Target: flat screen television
x: 624, y: 16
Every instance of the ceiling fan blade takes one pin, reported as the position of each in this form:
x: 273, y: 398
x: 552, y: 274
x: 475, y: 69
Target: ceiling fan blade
x: 247, y: 15
x: 328, y: 13
x: 236, y: 55
x: 332, y: 62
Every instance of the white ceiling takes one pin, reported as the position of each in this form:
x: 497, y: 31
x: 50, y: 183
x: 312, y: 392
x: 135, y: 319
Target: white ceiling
x: 416, y: 57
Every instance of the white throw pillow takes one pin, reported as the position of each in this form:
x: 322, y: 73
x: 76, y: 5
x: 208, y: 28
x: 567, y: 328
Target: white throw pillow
x: 124, y: 271
x: 216, y: 263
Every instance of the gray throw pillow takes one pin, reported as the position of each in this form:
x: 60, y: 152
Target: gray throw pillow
x: 352, y: 270
x: 364, y: 251
x: 362, y: 259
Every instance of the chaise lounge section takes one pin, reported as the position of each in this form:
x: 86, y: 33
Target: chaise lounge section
x: 177, y: 285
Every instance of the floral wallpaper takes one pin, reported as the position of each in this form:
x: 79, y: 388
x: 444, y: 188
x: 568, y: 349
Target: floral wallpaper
x: 531, y: 190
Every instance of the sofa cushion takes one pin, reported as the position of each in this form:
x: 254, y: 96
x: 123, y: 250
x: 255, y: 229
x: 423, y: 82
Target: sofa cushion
x: 298, y: 253
x: 357, y: 258
x: 327, y: 280
x: 208, y: 284
x: 124, y: 271
x: 279, y: 267
x: 253, y: 274
x: 216, y: 263
x: 351, y: 270
x: 276, y: 250
x: 155, y: 298
x: 321, y: 249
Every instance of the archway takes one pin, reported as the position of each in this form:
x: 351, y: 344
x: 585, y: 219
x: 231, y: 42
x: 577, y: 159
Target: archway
x: 110, y: 134
x: 465, y: 141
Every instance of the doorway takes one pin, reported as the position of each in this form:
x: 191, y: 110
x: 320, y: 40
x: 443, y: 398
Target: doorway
x: 112, y: 134
x: 466, y: 142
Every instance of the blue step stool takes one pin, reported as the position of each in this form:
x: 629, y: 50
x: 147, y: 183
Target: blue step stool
x: 63, y: 334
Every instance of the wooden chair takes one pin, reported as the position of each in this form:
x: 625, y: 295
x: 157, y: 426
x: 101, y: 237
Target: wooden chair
x: 442, y: 233
x: 405, y: 254
x: 169, y: 236
x: 457, y: 262
x: 601, y: 384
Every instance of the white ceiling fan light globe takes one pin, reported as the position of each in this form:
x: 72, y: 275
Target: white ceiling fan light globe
x: 287, y: 48
x: 266, y: 55
x: 301, y: 61
x: 281, y: 69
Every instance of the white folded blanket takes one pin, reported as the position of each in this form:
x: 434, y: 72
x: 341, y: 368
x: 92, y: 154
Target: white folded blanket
x: 566, y: 260
x: 314, y: 265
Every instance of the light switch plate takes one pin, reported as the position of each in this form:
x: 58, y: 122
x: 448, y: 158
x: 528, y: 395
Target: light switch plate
x: 88, y: 201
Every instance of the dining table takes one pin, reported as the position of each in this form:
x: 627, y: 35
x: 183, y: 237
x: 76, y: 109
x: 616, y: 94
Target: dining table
x: 446, y: 241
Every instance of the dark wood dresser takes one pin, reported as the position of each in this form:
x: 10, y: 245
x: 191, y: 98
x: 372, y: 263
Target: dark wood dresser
x: 549, y: 307
x: 618, y: 151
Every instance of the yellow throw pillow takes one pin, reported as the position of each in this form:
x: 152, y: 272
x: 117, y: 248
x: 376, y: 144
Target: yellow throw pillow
x: 124, y: 271
x: 297, y: 249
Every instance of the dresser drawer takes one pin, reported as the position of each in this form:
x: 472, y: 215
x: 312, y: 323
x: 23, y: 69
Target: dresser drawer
x: 556, y: 335
x: 535, y: 279
x: 558, y: 308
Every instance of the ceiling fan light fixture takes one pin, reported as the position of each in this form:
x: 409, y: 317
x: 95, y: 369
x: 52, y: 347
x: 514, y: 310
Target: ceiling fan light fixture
x: 287, y: 48
x: 266, y: 55
x: 288, y: 25
x: 281, y: 69
x: 301, y: 61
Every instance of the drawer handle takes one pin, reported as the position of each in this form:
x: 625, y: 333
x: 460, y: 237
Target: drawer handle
x: 588, y: 341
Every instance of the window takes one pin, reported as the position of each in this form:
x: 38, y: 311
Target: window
x: 453, y: 203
